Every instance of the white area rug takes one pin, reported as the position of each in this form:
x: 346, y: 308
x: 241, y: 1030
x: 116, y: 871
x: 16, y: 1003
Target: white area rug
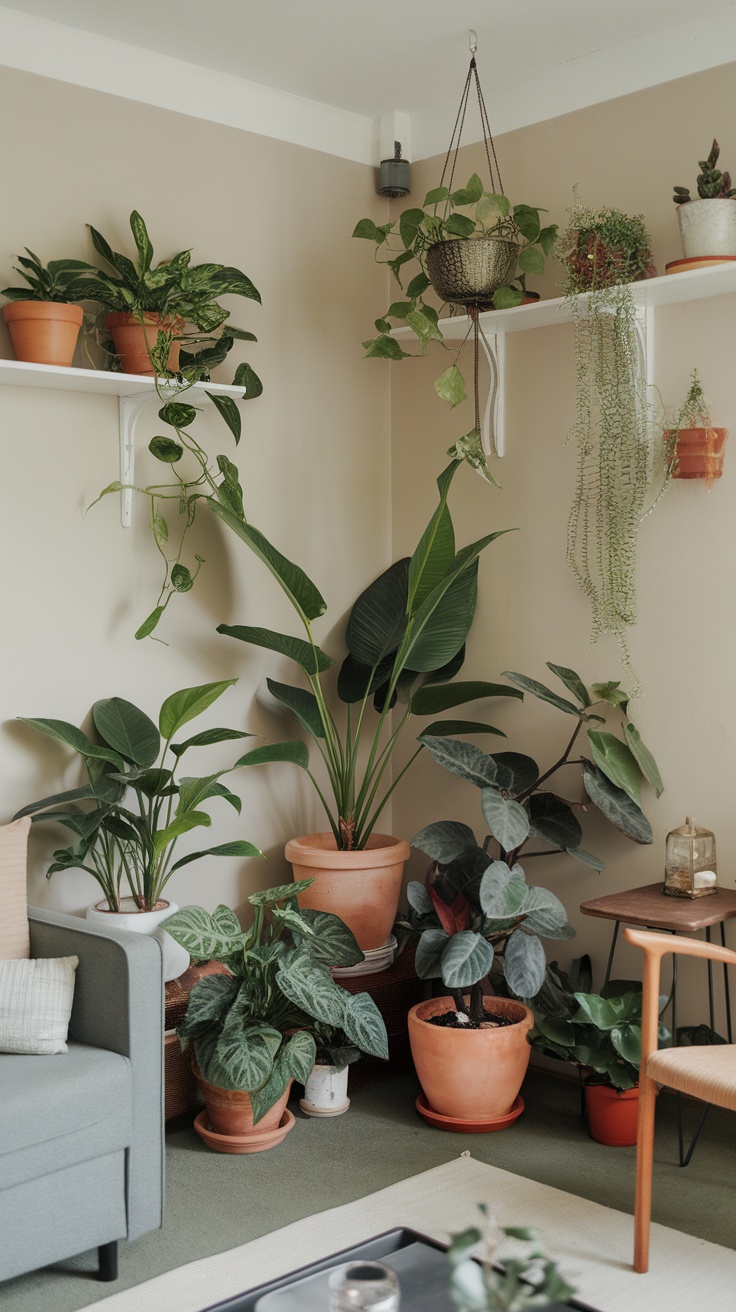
x: 593, y: 1243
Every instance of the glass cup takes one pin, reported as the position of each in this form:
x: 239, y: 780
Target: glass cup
x: 364, y: 1287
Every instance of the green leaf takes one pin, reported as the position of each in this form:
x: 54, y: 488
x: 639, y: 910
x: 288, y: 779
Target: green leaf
x: 586, y: 858
x: 542, y: 692
x: 611, y: 692
x: 310, y: 658
x: 466, y: 959
x: 383, y: 347
x: 304, y: 705
x: 572, y: 682
x: 448, y: 728
x: 410, y: 221
x: 181, y: 579
x: 515, y: 773
x: 554, y: 821
x: 281, y: 893
x: 441, y: 697
x: 150, y: 622
x: 238, y: 847
x: 428, y: 960
x: 212, y: 995
x: 178, y: 414
x: 440, y: 626
x: 617, y: 806
x: 127, y: 730
x: 425, y: 326
x: 229, y: 411
x: 491, y: 208
x: 166, y: 450
x: 181, y: 824
x: 470, y: 194
x: 506, y: 298
x: 444, y: 840
x: 242, y: 1060
x: 418, y: 898
x: 208, y: 738
x: 463, y: 759
x: 330, y: 941
x: 248, y: 379
x: 524, y: 964
x: 229, y: 491
x: 310, y: 986
x: 459, y: 225
x: 203, y: 936
x: 185, y: 705
x: 364, y: 1025
x: 450, y: 386
x: 296, y: 753
x: 616, y: 761
x: 436, y: 196
x: 644, y: 758
x: 545, y: 914
x: 142, y: 240
x: 418, y: 285
x: 502, y: 892
x: 367, y: 228
x: 435, y: 553
x: 526, y: 219
x: 378, y: 618
x: 303, y: 595
x: 74, y: 737
x: 547, y: 238
x: 531, y: 261
x: 507, y: 821
x: 626, y: 1039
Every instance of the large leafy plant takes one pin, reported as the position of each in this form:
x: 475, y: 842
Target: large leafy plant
x: 524, y: 1278
x: 598, y: 1032
x: 405, y: 641
x: 59, y: 280
x: 136, y: 805
x: 252, y: 1029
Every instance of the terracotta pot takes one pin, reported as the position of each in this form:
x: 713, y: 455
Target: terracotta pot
x: 700, y: 452
x: 362, y: 888
x: 176, y: 958
x: 44, y: 332
x: 230, y: 1111
x: 130, y: 338
x: 470, y: 1074
x: 612, y: 1116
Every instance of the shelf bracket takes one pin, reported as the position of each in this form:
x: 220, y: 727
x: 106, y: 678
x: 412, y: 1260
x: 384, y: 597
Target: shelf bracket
x: 130, y: 408
x: 493, y: 427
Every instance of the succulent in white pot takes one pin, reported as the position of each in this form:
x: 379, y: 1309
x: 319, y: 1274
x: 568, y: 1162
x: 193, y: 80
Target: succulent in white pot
x: 708, y: 224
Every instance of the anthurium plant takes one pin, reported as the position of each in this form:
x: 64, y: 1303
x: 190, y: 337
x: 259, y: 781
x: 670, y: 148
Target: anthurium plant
x: 59, y: 280
x: 254, y: 1028
x: 495, y: 1281
x: 599, y: 1032
x: 136, y: 805
x: 405, y: 641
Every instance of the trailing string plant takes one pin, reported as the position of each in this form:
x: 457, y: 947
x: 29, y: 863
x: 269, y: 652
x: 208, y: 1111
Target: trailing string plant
x: 523, y: 1278
x: 618, y: 459
x: 180, y: 294
x: 474, y: 250
x: 475, y: 914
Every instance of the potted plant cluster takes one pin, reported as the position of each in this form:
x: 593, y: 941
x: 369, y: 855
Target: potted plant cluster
x: 43, y: 317
x: 135, y: 806
x: 696, y: 447
x: 600, y: 1033
x: 251, y: 1029
x: 708, y: 224
x: 524, y: 1278
x: 405, y: 641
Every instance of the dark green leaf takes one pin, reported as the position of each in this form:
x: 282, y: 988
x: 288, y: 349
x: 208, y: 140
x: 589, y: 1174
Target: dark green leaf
x: 248, y: 379
x: 208, y: 738
x: 181, y: 579
x: 149, y: 624
x: 586, y: 858
x: 542, y: 692
x: 203, y: 937
x: 178, y: 414
x: 238, y: 847
x: 431, y: 700
x: 524, y: 964
x: 365, y: 1027
x: 616, y: 761
x: 515, y: 773
x: 444, y: 840
x: 304, y: 705
x: 142, y: 240
x: 330, y: 941
x: 459, y: 225
x: 356, y: 681
x: 127, y: 730
x: 428, y: 960
x: 294, y: 752
x: 554, y: 821
x: 466, y: 959
x: 185, y: 705
x: 436, y: 196
x: 311, y: 659
x: 229, y: 411
x: 378, y: 618
x: 470, y: 194
x: 418, y: 285
x: 166, y: 450
x: 644, y: 758
x: 531, y: 261
x: 572, y: 682
x: 410, y: 221
x: 463, y: 759
x: 616, y: 806
x: 526, y: 219
x: 505, y: 298
x: 448, y: 728
x: 300, y: 590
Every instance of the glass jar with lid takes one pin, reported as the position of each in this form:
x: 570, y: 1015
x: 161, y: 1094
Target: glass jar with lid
x: 690, y: 862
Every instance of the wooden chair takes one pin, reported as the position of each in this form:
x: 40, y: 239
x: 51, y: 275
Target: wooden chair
x: 708, y: 1073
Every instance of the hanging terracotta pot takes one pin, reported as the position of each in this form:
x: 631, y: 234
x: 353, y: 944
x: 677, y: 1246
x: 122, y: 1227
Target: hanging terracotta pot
x: 612, y: 1115
x: 700, y: 451
x: 361, y: 887
x: 469, y: 270
x: 133, y: 341
x: 44, y: 332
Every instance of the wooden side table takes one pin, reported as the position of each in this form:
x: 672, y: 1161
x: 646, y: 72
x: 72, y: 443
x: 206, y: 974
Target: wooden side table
x: 651, y: 908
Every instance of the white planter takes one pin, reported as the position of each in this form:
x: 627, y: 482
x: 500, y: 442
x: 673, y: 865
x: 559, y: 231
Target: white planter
x: 708, y: 227
x: 326, y: 1092
x: 176, y: 959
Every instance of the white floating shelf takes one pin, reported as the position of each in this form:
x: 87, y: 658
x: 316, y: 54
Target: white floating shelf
x: 134, y: 393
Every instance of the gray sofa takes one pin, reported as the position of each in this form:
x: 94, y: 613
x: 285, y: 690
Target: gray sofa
x: 81, y: 1133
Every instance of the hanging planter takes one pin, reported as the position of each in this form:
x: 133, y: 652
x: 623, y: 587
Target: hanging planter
x: 469, y: 270
x: 697, y: 448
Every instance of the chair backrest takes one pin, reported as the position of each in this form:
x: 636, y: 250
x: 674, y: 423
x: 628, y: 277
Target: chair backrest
x: 655, y: 946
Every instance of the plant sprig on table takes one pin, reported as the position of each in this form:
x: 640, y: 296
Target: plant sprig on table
x: 517, y: 1281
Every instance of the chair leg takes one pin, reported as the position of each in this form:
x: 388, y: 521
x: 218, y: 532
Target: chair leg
x: 108, y: 1259
x: 644, y: 1165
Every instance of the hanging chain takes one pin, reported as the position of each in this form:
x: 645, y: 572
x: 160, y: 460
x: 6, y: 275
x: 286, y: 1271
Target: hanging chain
x: 457, y: 131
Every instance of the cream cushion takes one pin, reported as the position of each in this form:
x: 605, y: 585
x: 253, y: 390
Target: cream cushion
x: 36, y: 1003
x: 708, y: 1072
x: 14, y: 940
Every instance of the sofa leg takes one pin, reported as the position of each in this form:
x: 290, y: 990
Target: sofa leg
x: 108, y: 1259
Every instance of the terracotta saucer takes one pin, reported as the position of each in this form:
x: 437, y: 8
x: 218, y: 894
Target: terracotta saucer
x: 468, y: 1126
x: 697, y: 262
x: 243, y: 1143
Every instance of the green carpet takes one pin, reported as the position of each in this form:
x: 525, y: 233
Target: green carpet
x: 215, y: 1202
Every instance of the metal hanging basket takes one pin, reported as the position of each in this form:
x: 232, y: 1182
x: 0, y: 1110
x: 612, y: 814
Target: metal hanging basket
x: 467, y: 271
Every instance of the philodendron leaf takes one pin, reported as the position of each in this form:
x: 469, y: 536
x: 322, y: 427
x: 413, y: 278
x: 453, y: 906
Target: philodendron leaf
x: 611, y: 692
x: 310, y: 986
x: 541, y: 691
x: 378, y: 617
x: 364, y: 1025
x: 207, y: 738
x: 202, y: 936
x: 229, y: 411
x: 444, y: 840
x: 626, y: 1039
x: 297, y: 1056
x: 127, y: 730
x: 572, y: 682
x: 226, y: 920
x: 506, y: 819
x: 466, y: 959
x: 428, y: 961
x: 516, y: 773
x: 166, y: 450
x: 302, y: 593
x: 463, y: 759
x: 185, y: 705
x: 616, y: 806
x: 243, y: 1056
x: 329, y: 939
x: 524, y: 964
x: 209, y: 1000
x: 616, y: 761
x: 644, y: 758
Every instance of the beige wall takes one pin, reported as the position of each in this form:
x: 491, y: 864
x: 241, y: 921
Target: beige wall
x: 314, y: 456
x: 627, y: 153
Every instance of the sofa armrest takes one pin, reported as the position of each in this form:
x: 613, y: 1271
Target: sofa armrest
x: 119, y: 1005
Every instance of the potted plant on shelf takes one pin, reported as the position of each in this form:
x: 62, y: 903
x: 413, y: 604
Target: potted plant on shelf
x: 149, y: 307
x: 524, y: 1278
x: 600, y: 1033
x: 129, y: 816
x: 251, y: 1029
x: 42, y: 319
x: 405, y: 641
x: 708, y: 224
x: 696, y: 447
x: 474, y: 250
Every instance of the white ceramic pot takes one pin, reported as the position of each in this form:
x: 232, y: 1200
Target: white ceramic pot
x: 176, y: 959
x: 326, y: 1091
x: 708, y: 227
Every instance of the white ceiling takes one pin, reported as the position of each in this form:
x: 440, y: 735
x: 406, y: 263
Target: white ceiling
x: 370, y: 58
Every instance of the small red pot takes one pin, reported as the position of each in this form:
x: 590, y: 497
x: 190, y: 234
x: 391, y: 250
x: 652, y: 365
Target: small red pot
x: 612, y: 1116
x: 132, y: 341
x: 700, y: 452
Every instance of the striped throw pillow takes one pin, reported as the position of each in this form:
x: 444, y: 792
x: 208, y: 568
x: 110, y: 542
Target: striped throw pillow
x: 36, y: 1003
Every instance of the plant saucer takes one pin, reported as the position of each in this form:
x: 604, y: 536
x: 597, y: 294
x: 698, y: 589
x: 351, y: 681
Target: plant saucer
x: 475, y: 1125
x: 697, y: 262
x: 256, y: 1142
x: 311, y: 1109
x: 375, y: 959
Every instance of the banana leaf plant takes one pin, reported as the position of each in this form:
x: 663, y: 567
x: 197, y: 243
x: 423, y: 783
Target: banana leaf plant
x: 254, y: 1028
x: 128, y: 817
x: 598, y: 1032
x: 405, y: 641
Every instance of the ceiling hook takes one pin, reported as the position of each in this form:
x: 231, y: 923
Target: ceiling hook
x: 473, y: 41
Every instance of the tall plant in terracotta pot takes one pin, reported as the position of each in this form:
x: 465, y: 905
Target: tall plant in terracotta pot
x: 405, y: 641
x: 42, y: 317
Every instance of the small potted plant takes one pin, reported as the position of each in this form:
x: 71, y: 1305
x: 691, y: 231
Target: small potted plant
x: 494, y: 1281
x: 696, y: 448
x: 600, y: 1033
x: 43, y: 321
x: 251, y: 1029
x: 338, y: 1047
x: 135, y: 807
x: 708, y: 224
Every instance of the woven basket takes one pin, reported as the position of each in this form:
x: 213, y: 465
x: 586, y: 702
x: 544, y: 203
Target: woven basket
x: 182, y: 1098
x: 468, y: 271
